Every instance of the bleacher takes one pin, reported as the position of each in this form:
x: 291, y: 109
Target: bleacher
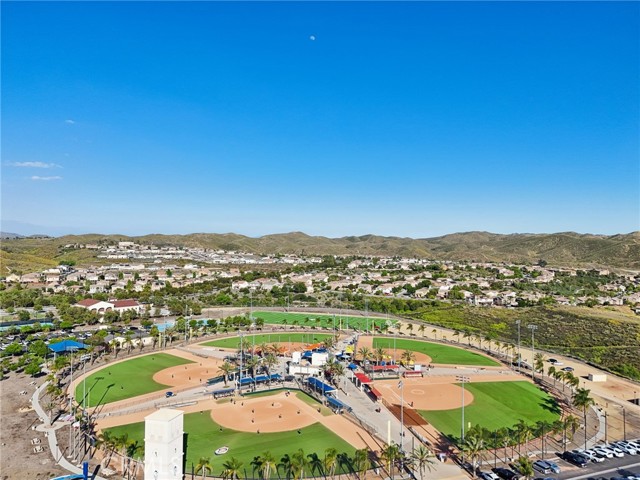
x: 337, y: 404
x: 225, y: 392
x: 319, y: 385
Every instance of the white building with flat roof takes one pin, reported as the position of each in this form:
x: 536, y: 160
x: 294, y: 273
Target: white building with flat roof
x: 163, y: 445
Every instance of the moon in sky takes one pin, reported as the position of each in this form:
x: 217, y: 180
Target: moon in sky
x: 312, y: 37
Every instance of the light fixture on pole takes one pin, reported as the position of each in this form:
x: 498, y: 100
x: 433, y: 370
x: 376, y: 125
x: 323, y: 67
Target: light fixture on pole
x: 518, y: 324
x: 462, y: 379
x: 401, y: 387
x: 533, y: 328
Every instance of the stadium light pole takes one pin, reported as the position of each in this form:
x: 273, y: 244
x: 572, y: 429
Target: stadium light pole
x: 518, y: 324
x: 533, y: 328
x: 462, y: 379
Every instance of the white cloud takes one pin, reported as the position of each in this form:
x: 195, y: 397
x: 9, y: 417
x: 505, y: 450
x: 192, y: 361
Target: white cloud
x: 34, y: 165
x: 69, y: 121
x: 46, y: 179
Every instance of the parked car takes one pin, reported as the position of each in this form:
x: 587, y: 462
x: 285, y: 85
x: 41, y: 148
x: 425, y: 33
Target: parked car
x: 589, y: 455
x: 555, y: 362
x: 626, y: 448
x: 169, y: 394
x: 488, y: 476
x: 603, y: 451
x: 616, y: 451
x: 576, y: 459
x: 541, y: 466
x: 567, y: 369
x: 505, y: 473
x: 553, y: 466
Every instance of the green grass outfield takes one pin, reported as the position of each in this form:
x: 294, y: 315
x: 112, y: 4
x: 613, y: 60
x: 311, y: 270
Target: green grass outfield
x: 324, y: 321
x: 440, y: 354
x: 204, y: 436
x: 126, y: 379
x: 269, y: 338
x: 497, y: 405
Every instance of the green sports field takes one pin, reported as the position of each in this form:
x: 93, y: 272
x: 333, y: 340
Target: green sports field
x: 440, y: 354
x: 203, y: 436
x: 269, y: 338
x: 324, y: 321
x: 497, y: 405
x: 126, y: 379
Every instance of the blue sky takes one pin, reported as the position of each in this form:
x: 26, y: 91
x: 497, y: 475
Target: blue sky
x: 408, y: 119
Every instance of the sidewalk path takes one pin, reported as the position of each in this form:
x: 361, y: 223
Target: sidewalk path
x: 50, y: 433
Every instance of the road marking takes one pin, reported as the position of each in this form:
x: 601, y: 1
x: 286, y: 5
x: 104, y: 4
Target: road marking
x: 600, y: 472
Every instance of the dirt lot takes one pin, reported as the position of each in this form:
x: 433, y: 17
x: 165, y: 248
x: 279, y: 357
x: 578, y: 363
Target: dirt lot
x: 17, y: 460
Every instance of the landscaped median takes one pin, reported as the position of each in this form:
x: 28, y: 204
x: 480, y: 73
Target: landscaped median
x: 126, y: 379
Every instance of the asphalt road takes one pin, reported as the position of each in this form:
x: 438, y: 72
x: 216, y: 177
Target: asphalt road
x: 612, y: 467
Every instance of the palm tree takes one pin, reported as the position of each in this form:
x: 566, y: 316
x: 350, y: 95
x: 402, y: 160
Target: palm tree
x: 525, y: 466
x: 472, y: 448
x: 543, y: 428
x: 570, y: 423
x: 421, y: 330
x: 379, y: 354
x: 422, y: 457
x: 267, y: 464
x: 315, y: 463
x: 286, y: 465
x: 204, y: 466
x: 330, y: 461
x: 551, y: 371
x: 361, y: 462
x: 365, y: 353
x: 456, y: 333
x: 572, y: 380
x: 581, y: 399
x: 408, y: 357
x: 225, y: 369
x: 410, y: 327
x: 523, y: 432
x: 538, y: 363
x: 300, y: 464
x: 231, y: 468
x: 390, y: 453
x: 106, y: 441
x: 128, y: 341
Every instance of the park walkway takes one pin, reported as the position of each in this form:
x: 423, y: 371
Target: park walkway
x: 50, y: 432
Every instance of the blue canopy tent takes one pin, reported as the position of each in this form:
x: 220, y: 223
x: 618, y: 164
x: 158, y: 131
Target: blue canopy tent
x: 66, y: 346
x: 352, y: 366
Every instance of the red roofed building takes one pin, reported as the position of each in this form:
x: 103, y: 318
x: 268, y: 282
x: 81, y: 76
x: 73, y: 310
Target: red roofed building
x: 129, y: 304
x: 101, y: 307
x: 97, y: 306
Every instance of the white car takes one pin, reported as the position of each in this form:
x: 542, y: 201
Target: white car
x: 603, y: 451
x: 626, y: 448
x: 616, y: 451
x: 488, y: 476
x: 592, y: 456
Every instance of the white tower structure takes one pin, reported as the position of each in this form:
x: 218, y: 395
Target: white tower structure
x: 163, y: 445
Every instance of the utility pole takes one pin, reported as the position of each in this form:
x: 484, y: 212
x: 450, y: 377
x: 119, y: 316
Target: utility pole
x: 533, y: 328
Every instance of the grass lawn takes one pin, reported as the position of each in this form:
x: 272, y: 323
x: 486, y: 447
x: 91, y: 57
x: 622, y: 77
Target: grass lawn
x: 440, y: 354
x: 497, y: 405
x: 282, y: 338
x: 126, y: 379
x: 325, y: 321
x: 314, y: 403
x: 204, y: 436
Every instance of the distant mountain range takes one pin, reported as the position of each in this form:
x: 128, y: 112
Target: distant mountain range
x: 9, y: 236
x: 562, y: 249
